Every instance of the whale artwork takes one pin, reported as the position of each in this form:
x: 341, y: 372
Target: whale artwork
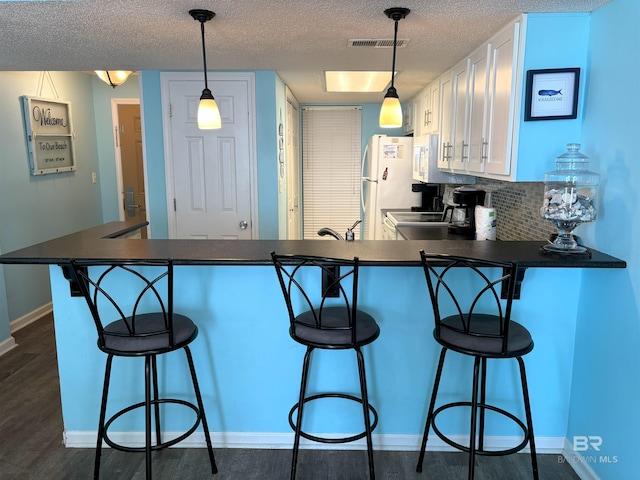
x: 549, y: 93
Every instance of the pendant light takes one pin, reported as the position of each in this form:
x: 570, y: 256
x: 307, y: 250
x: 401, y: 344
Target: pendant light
x: 208, y: 112
x: 114, y: 78
x: 391, y: 111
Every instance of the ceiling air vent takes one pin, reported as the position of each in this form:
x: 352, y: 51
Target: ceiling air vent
x: 377, y: 42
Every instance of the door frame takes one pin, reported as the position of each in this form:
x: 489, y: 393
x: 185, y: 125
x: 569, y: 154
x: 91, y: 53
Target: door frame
x: 292, y: 154
x: 115, y: 102
x: 165, y: 79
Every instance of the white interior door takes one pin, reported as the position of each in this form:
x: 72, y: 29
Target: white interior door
x: 211, y: 173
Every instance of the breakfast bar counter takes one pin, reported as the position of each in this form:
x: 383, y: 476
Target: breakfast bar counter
x: 105, y: 243
x: 249, y: 368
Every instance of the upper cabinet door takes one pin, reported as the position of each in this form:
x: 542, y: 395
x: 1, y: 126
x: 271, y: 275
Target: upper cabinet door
x: 502, y: 87
x: 430, y: 108
x: 478, y: 95
x: 460, y: 139
x: 445, y: 152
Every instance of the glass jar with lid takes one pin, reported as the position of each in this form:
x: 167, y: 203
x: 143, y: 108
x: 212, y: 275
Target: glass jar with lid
x: 570, y: 194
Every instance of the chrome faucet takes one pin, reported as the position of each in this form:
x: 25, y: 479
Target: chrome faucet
x: 327, y: 231
x: 349, y: 235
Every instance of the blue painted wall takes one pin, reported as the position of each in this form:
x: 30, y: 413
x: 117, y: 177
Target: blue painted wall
x: 604, y: 397
x: 107, y: 175
x: 249, y: 367
x: 552, y: 41
x: 38, y: 208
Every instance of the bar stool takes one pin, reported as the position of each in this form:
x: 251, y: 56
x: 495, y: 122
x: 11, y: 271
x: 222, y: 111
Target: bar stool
x: 479, y: 325
x: 132, y: 307
x: 333, y: 322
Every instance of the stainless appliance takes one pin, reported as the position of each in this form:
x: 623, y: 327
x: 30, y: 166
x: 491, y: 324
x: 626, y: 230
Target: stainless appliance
x: 409, y: 219
x: 386, y: 181
x: 462, y: 212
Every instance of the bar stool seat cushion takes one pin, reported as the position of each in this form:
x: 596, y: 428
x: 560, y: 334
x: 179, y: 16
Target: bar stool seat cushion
x: 151, y: 334
x: 452, y: 336
x: 335, y: 332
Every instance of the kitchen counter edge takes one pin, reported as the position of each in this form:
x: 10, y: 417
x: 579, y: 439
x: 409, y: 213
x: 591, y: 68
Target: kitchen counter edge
x: 101, y: 243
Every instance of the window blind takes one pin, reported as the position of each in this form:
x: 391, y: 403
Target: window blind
x: 331, y: 150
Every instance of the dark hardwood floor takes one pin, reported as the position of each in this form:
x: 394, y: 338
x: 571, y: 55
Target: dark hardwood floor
x: 31, y: 441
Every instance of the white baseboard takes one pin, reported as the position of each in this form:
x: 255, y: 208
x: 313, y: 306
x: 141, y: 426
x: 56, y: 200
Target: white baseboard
x: 31, y: 317
x: 7, y: 344
x: 394, y: 442
x: 580, y: 464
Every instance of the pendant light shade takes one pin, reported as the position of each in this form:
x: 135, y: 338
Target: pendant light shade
x: 391, y: 110
x: 114, y: 78
x: 208, y: 112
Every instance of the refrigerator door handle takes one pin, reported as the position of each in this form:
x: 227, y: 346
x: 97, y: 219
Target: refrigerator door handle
x: 364, y: 156
x: 367, y: 179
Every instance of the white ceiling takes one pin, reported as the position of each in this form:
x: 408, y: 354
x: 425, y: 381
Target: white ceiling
x: 297, y: 38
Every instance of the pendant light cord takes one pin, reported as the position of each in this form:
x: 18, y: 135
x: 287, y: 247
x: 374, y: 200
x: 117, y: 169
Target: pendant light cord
x: 204, y: 55
x: 393, y: 62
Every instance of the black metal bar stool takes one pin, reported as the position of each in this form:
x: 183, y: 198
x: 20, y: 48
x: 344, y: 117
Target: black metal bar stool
x: 333, y: 322
x: 472, y: 319
x: 132, y: 307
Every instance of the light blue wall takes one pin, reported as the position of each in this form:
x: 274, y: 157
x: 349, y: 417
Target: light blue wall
x: 107, y: 175
x: 552, y: 41
x: 604, y: 398
x: 38, y: 208
x: 152, y: 115
x: 268, y: 91
x: 249, y: 367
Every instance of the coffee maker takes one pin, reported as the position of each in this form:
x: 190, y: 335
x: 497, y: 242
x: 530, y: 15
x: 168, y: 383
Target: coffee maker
x: 462, y: 212
x: 430, y: 197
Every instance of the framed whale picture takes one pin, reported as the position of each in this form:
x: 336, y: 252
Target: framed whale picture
x: 551, y: 94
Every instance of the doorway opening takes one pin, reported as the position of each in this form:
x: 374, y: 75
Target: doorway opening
x: 130, y: 165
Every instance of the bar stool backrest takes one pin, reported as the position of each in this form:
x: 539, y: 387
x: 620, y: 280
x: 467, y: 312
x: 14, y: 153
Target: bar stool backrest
x: 470, y: 289
x: 301, y: 277
x: 127, y: 292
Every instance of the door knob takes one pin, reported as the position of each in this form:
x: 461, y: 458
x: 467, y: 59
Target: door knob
x: 243, y: 225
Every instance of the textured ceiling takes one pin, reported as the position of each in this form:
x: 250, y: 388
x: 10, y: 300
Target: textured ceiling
x: 297, y: 38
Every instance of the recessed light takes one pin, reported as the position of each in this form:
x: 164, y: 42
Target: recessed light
x: 356, y: 82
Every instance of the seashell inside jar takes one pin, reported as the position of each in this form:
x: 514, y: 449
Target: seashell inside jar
x: 570, y: 196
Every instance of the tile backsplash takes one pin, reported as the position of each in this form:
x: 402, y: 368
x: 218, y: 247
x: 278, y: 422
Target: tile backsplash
x: 517, y: 209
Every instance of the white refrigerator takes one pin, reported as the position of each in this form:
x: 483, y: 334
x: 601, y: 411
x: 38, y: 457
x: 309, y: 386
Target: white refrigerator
x: 387, y: 171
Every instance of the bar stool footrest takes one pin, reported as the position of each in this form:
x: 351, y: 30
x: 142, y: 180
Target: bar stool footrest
x: 161, y: 445
x: 333, y: 440
x: 464, y: 448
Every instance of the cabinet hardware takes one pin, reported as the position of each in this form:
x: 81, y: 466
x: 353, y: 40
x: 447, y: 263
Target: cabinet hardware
x: 463, y: 157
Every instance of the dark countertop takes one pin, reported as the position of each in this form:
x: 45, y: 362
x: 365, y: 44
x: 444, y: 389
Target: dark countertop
x: 98, y: 243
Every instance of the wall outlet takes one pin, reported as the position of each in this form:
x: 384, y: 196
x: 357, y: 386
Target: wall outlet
x: 94, y: 177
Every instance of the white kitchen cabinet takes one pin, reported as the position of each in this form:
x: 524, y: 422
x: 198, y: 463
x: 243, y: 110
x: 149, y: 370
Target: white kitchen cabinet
x: 502, y: 118
x: 445, y: 155
x: 407, y: 117
x: 430, y: 108
x: 459, y: 137
x: 417, y: 111
x: 478, y: 108
x: 477, y: 101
